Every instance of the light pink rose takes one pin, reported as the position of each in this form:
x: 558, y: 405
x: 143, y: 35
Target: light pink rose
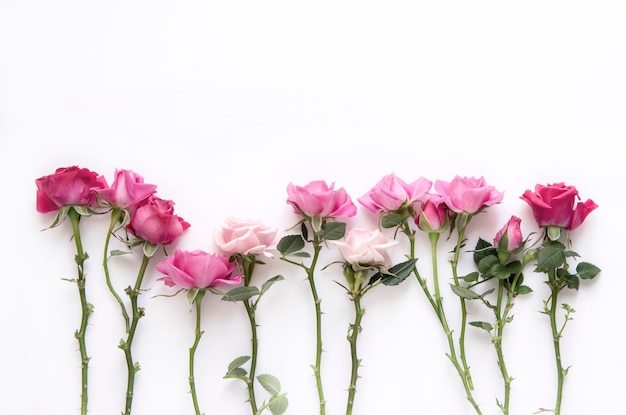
x: 513, y: 234
x: 557, y: 205
x: 128, y: 190
x: 468, y: 194
x: 68, y: 186
x: 155, y: 222
x: 391, y: 193
x: 433, y: 216
x: 365, y: 247
x: 197, y: 269
x: 317, y: 199
x: 246, y: 237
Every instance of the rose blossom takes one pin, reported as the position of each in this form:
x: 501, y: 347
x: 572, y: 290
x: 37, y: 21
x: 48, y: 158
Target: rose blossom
x: 128, y: 190
x: 197, y: 269
x: 433, y: 216
x: 365, y: 247
x: 155, y: 222
x: 68, y: 186
x: 468, y: 194
x: 246, y: 237
x: 513, y: 234
x: 391, y: 193
x: 553, y: 205
x: 317, y: 199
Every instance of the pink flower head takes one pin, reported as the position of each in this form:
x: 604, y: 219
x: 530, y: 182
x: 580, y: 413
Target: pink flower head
x: 155, y: 222
x: 433, y: 216
x: 128, y: 190
x: 510, y: 235
x: 317, y: 199
x: 556, y: 205
x: 197, y: 269
x: 468, y: 194
x: 391, y: 193
x: 68, y: 186
x: 364, y: 247
x: 246, y: 237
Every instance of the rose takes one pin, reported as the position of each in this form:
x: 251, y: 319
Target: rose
x: 468, y: 194
x: 433, y: 216
x: 556, y: 205
x: 362, y: 247
x: 155, y: 222
x: 197, y: 269
x: 128, y: 190
x: 246, y: 237
x: 509, y: 238
x: 391, y: 193
x: 317, y: 199
x: 68, y: 186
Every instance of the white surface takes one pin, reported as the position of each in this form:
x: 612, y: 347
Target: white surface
x: 222, y: 104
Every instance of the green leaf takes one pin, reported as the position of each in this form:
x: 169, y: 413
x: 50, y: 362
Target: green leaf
x: 267, y: 284
x: 117, y: 252
x: 278, y: 405
x: 486, y: 264
x: 240, y: 293
x: 482, y: 325
x: 465, y: 292
x: 572, y: 281
x: 586, y: 271
x: 550, y: 256
x: 270, y: 383
x: 290, y: 244
x: 398, y: 272
x: 523, y: 289
x: 237, y: 373
x: 237, y: 363
x: 514, y: 267
x: 302, y: 254
x: 500, y: 271
x: 471, y: 277
x: 333, y: 231
x: 483, y: 249
x: 392, y: 220
x: 149, y: 249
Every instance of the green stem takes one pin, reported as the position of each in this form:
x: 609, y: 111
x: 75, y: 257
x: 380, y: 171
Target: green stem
x: 556, y: 338
x: 317, y: 246
x: 116, y: 215
x: 126, y: 346
x: 86, y: 309
x: 501, y: 320
x: 354, y: 331
x: 192, y: 351
x: 248, y: 268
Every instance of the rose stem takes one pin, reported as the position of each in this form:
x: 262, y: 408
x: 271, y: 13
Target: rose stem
x: 354, y: 331
x: 192, y: 351
x: 116, y: 214
x: 248, y: 268
x: 317, y: 246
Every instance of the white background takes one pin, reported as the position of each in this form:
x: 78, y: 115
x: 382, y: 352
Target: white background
x: 222, y: 104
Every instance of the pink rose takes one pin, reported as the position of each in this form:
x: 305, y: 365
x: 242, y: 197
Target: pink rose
x: 197, y: 269
x: 364, y: 247
x: 155, y: 222
x: 553, y: 205
x: 433, y: 216
x: 510, y: 235
x: 128, y: 190
x: 468, y: 194
x: 317, y: 199
x: 391, y: 193
x: 68, y: 186
x: 246, y: 237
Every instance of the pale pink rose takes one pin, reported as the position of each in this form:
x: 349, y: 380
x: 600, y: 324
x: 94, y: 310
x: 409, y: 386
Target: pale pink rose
x: 391, y: 193
x: 246, y: 237
x: 128, y: 190
x: 197, y: 269
x: 318, y: 199
x: 468, y: 194
x: 68, y: 186
x: 155, y: 222
x: 433, y: 216
x: 365, y: 247
x: 513, y: 233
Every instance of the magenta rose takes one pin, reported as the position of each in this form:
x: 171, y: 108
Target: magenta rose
x: 510, y: 235
x: 68, y: 186
x: 128, y: 190
x: 155, y: 222
x: 363, y: 247
x: 197, y: 269
x: 391, y: 193
x: 468, y: 194
x: 317, y: 199
x: 557, y: 205
x: 433, y: 216
x: 246, y: 237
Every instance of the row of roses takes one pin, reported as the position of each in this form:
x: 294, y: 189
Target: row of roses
x: 140, y: 218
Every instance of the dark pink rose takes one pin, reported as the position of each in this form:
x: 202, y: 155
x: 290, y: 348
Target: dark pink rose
x: 68, y: 186
x: 433, y: 216
x: 391, y: 193
x: 246, y: 237
x: 557, y: 205
x: 197, y: 269
x: 510, y: 235
x: 468, y: 194
x: 155, y: 222
x: 317, y: 199
x: 128, y: 190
